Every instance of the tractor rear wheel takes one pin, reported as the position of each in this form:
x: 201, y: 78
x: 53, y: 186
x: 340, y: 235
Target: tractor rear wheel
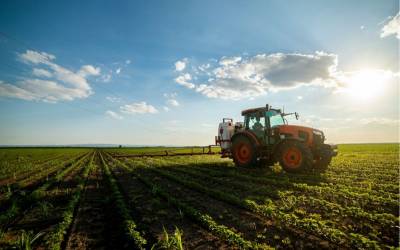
x: 324, y: 159
x: 243, y: 152
x: 295, y: 156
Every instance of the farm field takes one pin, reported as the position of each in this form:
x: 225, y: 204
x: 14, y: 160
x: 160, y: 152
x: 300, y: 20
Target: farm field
x: 81, y: 198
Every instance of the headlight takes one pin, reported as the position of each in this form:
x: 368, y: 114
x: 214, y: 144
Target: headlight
x: 317, y: 132
x: 318, y: 136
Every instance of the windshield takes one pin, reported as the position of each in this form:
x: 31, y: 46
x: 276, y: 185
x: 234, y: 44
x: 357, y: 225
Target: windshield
x: 275, y: 118
x: 256, y: 123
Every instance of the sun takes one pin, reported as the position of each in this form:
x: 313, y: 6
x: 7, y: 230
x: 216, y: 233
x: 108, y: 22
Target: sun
x: 366, y: 84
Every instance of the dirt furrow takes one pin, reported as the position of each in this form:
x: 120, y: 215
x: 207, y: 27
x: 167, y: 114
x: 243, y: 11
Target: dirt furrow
x: 89, y: 229
x: 156, y: 214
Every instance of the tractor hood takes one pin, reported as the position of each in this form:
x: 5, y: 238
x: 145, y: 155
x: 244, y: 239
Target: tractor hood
x: 289, y: 129
x: 309, y: 135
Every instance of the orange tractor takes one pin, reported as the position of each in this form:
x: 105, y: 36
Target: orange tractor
x: 265, y: 137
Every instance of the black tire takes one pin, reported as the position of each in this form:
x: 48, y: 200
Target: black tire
x: 295, y: 156
x: 324, y: 159
x: 244, y: 152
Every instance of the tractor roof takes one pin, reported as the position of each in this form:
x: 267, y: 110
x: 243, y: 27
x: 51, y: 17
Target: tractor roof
x: 261, y: 109
x: 254, y: 110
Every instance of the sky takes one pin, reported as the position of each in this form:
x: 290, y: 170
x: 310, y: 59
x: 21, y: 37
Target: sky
x: 167, y: 72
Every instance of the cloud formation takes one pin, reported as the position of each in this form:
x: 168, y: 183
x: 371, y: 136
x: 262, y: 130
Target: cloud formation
x: 41, y: 73
x: 170, y: 101
x: 138, y: 108
x: 173, y: 102
x: 392, y: 27
x: 184, y: 80
x: 237, y: 77
x: 180, y: 65
x: 113, y: 115
x: 61, y: 84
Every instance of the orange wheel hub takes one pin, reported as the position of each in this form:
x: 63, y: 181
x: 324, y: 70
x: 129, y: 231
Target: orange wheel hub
x: 243, y: 152
x: 292, y: 157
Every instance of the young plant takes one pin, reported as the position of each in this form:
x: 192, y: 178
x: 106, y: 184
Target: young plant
x: 26, y: 239
x: 173, y: 242
x: 45, y: 208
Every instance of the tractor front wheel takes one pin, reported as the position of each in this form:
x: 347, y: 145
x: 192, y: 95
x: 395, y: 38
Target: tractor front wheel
x: 243, y: 152
x: 295, y: 156
x: 324, y: 158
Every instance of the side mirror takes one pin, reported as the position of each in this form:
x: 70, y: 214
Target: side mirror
x: 297, y: 115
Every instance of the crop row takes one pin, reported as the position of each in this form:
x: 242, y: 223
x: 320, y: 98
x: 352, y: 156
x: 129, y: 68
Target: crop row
x: 39, y: 207
x: 343, y: 178
x: 16, y: 167
x: 289, y: 201
x: 310, y: 225
x: 332, y: 193
x: 22, y: 202
x: 129, y: 225
x: 204, y: 220
x: 32, y: 180
x: 56, y: 237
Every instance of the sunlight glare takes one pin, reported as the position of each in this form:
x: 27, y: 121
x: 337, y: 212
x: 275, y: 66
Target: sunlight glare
x: 366, y: 84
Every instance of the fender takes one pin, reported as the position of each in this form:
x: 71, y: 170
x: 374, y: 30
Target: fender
x: 250, y: 135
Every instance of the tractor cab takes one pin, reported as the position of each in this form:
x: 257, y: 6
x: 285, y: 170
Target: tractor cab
x: 262, y: 121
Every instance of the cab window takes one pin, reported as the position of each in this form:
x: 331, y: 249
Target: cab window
x: 275, y: 118
x: 256, y: 123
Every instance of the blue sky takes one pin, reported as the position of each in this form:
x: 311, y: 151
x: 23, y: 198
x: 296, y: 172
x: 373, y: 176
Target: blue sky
x: 167, y: 72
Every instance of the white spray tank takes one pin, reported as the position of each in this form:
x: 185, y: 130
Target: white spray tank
x: 226, y: 129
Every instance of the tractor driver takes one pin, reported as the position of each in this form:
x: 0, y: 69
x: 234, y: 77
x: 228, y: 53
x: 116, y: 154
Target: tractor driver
x: 257, y: 125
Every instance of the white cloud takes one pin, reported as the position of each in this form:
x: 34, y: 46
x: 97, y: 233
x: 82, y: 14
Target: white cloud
x: 173, y: 102
x: 226, y: 61
x: 118, y: 71
x: 392, y: 27
x: 180, y: 65
x: 184, y: 81
x: 12, y: 91
x: 113, y: 99
x: 138, y: 108
x: 204, y: 67
x: 237, y: 77
x: 41, y: 73
x: 114, y: 115
x: 35, y: 57
x: 128, y: 61
x: 299, y: 97
x: 87, y: 70
x: 62, y: 83
x: 44, y: 90
x: 166, y: 109
x: 362, y: 27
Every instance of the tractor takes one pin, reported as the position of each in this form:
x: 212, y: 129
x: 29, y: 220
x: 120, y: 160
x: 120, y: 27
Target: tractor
x: 265, y: 137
